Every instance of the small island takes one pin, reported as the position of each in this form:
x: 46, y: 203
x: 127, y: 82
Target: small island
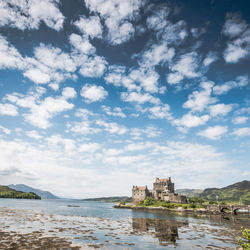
x: 6, y: 192
x: 163, y: 197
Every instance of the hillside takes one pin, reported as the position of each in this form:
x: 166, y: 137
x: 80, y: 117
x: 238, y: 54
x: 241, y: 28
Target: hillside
x: 189, y: 192
x: 238, y: 192
x: 6, y: 192
x: 110, y: 199
x: 24, y: 188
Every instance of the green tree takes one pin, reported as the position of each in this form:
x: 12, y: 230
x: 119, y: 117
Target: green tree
x: 244, y: 240
x: 148, y: 201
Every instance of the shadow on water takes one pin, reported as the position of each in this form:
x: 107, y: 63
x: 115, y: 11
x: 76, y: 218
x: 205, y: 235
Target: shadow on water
x: 165, y: 230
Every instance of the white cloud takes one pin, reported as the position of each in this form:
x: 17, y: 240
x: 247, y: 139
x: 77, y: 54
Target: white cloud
x: 117, y: 111
x: 112, y: 127
x: 9, y: 56
x: 115, y: 75
x: 158, y: 20
x: 210, y: 58
x: 139, y: 98
x: 55, y: 58
x: 58, y: 158
x: 240, y: 81
x: 84, y: 128
x: 37, y: 76
x: 5, y: 130
x: 173, y: 78
x: 239, y: 33
x: 113, y: 151
x: 234, y: 26
x: 69, y: 92
x: 165, y: 30
x: 149, y: 131
x: 199, y: 100
x: 116, y: 15
x: 26, y: 101
x: 124, y: 160
x: 160, y: 112
x: 29, y: 14
x: 54, y: 86
x: 49, y: 64
x: 186, y: 66
x: 234, y: 53
x: 42, y: 111
x: 213, y: 133
x: 157, y: 54
x: 220, y: 109
x: 147, y: 78
x: 189, y: 120
x: 82, y: 45
x: 8, y: 109
x: 242, y: 132
x: 240, y: 119
x: 137, y: 79
x: 243, y: 110
x: 138, y: 146
x: 90, y: 26
x: 152, y: 131
x: 83, y: 113
x: 174, y: 33
x: 34, y: 134
x: 93, y: 93
x: 88, y: 147
x: 120, y: 34
x: 59, y: 142
x: 93, y: 67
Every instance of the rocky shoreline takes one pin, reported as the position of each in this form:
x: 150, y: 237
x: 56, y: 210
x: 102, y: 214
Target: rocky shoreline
x: 214, y: 211
x: 27, y: 229
x: 200, y: 210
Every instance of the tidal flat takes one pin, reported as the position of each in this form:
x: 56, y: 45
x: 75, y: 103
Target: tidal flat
x: 38, y: 229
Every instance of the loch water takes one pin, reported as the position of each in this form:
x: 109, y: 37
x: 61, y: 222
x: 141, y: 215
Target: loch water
x: 113, y: 228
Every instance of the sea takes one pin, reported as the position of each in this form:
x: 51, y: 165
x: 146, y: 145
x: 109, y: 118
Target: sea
x: 114, y: 228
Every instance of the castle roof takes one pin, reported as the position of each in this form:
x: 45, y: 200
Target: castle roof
x: 142, y: 188
x: 162, y: 180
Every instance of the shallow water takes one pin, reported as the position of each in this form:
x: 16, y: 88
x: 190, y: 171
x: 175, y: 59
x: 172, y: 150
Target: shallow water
x: 98, y: 224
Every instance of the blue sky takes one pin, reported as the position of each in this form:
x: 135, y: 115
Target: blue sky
x: 100, y: 95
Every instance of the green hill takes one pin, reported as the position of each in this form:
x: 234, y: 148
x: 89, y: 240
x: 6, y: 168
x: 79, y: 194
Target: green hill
x: 24, y: 188
x: 238, y: 192
x: 110, y: 199
x: 189, y: 192
x: 6, y: 192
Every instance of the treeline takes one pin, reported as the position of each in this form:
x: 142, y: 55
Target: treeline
x: 111, y: 199
x: 6, y: 192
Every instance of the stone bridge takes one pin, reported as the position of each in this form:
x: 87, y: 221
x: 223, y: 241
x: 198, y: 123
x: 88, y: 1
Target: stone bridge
x: 231, y: 208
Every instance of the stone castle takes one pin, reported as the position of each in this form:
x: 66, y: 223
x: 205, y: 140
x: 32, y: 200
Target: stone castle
x: 163, y: 189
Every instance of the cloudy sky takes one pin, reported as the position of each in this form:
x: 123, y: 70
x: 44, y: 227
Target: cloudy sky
x: 100, y: 95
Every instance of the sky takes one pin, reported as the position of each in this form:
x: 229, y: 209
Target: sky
x: 99, y: 95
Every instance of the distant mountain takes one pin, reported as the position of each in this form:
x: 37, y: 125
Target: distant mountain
x: 189, y: 192
x: 6, y: 192
x: 41, y: 193
x: 110, y: 199
x: 238, y: 192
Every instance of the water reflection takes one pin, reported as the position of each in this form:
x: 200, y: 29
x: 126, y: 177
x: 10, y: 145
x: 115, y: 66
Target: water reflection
x: 165, y: 230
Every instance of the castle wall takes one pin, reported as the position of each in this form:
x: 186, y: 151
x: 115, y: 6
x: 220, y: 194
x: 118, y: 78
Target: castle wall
x: 139, y: 193
x: 175, y: 198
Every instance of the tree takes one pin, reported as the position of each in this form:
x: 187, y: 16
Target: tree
x: 244, y: 239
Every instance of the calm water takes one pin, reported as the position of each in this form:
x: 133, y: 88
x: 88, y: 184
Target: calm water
x: 144, y: 230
